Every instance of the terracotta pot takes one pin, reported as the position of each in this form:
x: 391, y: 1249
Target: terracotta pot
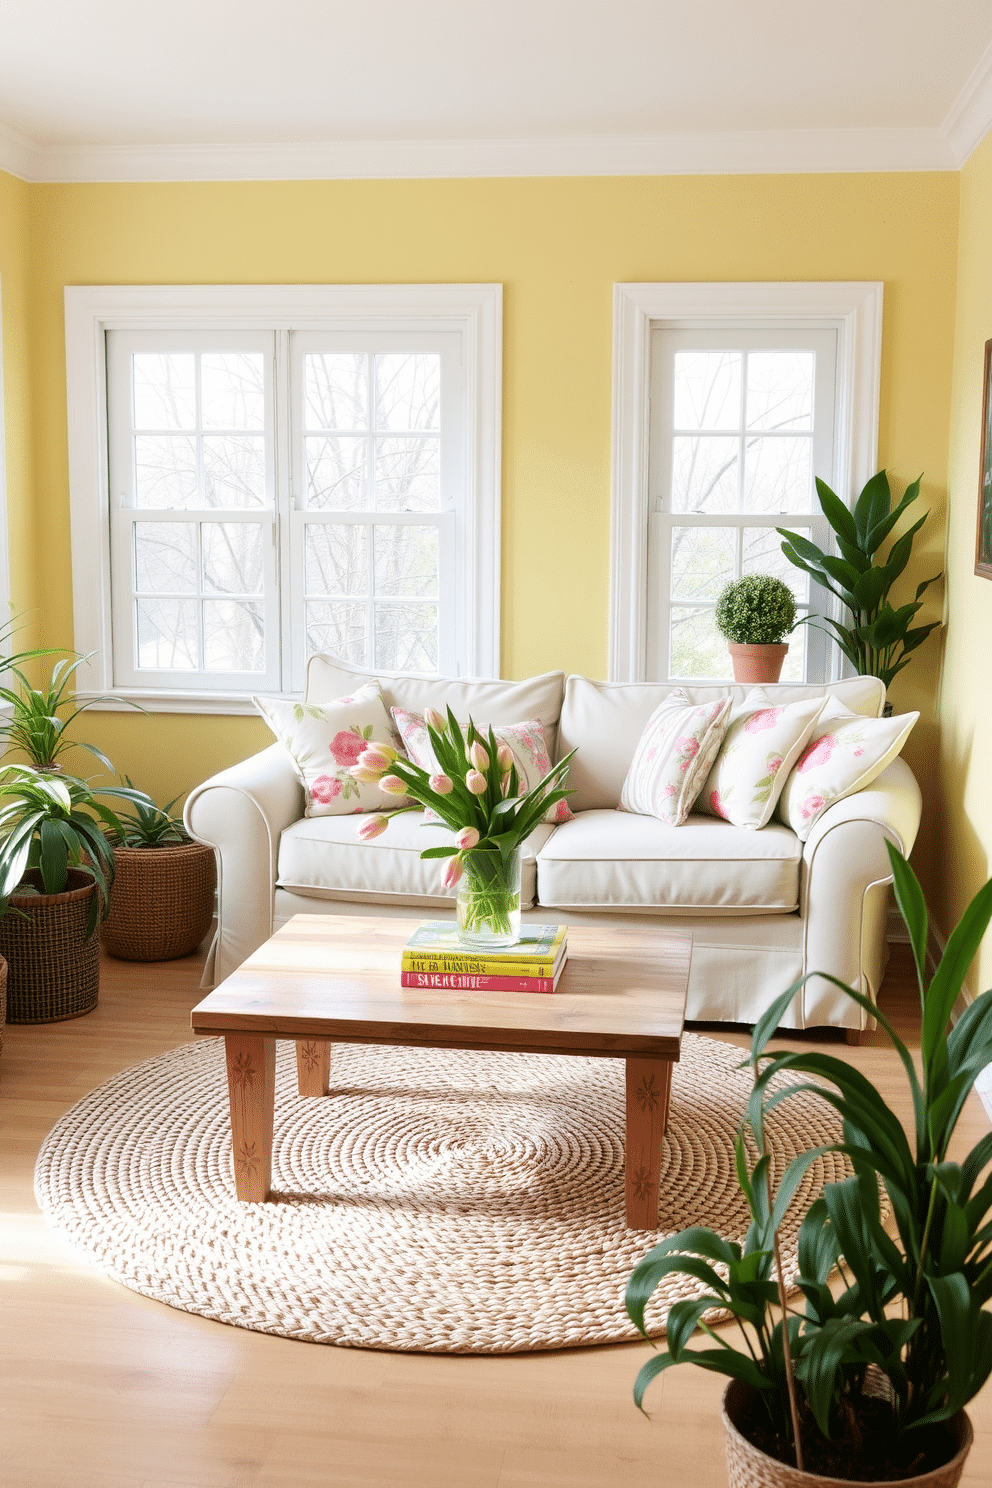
x: 161, y: 901
x: 748, y: 1467
x: 53, y: 967
x: 757, y: 663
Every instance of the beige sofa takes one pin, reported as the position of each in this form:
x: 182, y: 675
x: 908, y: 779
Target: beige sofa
x: 763, y: 908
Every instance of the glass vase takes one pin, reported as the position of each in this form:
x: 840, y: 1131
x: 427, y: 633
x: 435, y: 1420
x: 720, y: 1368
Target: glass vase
x: 488, y: 902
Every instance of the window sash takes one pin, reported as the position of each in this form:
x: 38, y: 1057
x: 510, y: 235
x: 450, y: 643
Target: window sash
x: 663, y: 606
x: 128, y: 519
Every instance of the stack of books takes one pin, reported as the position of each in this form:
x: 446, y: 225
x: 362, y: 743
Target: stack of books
x: 435, y: 957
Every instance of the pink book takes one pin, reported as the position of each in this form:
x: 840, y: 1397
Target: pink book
x: 463, y: 982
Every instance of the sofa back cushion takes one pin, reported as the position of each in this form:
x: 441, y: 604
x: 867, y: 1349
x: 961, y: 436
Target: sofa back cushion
x: 486, y: 701
x: 605, y: 720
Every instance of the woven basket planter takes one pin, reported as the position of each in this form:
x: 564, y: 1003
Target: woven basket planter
x: 748, y: 1467
x: 53, y: 969
x: 161, y: 903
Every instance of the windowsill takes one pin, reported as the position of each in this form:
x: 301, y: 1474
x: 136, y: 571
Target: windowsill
x: 129, y: 700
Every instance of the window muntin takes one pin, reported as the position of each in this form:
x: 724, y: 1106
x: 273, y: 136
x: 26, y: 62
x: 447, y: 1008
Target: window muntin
x: 740, y: 423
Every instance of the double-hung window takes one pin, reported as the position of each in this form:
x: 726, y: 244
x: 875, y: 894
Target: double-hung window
x: 729, y: 400
x: 283, y: 472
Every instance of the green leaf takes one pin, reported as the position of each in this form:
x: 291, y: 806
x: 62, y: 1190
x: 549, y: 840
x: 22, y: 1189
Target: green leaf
x: 945, y: 989
x: 53, y: 859
x: 871, y: 507
x: 439, y: 852
x: 913, y: 908
x: 836, y: 513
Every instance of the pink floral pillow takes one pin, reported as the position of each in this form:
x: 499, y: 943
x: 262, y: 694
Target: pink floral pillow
x: 526, y: 742
x: 324, y: 740
x: 673, y: 758
x: 845, y: 754
x: 761, y: 746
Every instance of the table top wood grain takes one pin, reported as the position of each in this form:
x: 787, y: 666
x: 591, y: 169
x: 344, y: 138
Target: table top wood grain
x: 337, y: 977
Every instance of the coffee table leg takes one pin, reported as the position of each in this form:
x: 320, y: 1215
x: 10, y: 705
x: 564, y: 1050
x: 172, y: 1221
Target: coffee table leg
x: 649, y: 1084
x: 313, y: 1066
x: 251, y: 1084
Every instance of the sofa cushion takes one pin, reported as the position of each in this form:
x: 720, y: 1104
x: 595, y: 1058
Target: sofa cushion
x: 613, y: 860
x: 604, y: 721
x: 324, y: 856
x: 487, y: 702
x: 673, y: 758
x: 844, y: 755
x: 324, y: 740
x: 762, y: 744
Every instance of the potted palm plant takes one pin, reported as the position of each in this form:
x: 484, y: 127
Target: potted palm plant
x: 868, y: 1382
x: 880, y: 638
x: 163, y: 899
x: 755, y: 614
x: 56, y: 872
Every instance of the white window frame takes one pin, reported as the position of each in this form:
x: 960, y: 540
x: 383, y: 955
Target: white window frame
x: 473, y: 311
x: 854, y: 309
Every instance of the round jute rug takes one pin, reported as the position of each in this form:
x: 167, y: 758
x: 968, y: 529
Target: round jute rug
x: 441, y: 1200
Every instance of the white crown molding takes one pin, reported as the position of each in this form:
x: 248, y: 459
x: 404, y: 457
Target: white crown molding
x: 22, y: 157
x: 970, y: 116
x: 748, y: 152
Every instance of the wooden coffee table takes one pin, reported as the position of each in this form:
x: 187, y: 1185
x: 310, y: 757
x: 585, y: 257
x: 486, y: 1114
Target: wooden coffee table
x: 325, y: 979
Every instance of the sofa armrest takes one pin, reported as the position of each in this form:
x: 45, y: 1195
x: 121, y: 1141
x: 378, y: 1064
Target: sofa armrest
x: 241, y: 813
x: 844, y: 892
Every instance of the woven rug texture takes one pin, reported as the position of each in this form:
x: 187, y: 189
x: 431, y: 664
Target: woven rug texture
x: 439, y: 1200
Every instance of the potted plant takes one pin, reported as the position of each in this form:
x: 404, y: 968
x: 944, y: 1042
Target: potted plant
x: 163, y: 899
x: 755, y: 614
x: 879, y: 640
x: 474, y: 792
x: 870, y: 1383
x: 56, y: 870
x: 40, y: 717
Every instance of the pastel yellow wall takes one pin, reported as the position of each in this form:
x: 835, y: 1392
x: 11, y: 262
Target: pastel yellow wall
x: 557, y: 246
x: 965, y: 720
x: 14, y: 311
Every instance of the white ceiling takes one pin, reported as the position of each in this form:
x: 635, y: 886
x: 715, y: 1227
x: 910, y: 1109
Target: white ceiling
x: 125, y: 89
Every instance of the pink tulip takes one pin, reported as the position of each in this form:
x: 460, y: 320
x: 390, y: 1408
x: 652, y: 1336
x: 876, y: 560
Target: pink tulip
x: 392, y: 785
x: 435, y: 720
x: 372, y: 826
x: 476, y: 783
x: 479, y: 756
x: 504, y: 757
x: 377, y: 757
x: 364, y: 774
x: 441, y: 784
x: 467, y: 838
x: 453, y: 870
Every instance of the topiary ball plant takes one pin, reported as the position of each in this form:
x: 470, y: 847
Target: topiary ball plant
x: 757, y: 610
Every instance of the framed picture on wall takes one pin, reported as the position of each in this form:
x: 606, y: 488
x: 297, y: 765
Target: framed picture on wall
x: 983, y: 543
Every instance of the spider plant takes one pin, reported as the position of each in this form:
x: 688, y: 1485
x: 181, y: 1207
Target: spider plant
x: 50, y: 823
x: 41, y: 716
x: 148, y: 825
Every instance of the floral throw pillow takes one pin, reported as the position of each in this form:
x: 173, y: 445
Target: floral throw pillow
x: 673, y: 758
x: 761, y: 745
x: 525, y: 740
x: 324, y: 740
x: 845, y: 754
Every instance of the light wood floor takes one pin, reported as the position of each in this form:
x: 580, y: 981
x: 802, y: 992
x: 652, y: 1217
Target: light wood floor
x: 103, y: 1389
